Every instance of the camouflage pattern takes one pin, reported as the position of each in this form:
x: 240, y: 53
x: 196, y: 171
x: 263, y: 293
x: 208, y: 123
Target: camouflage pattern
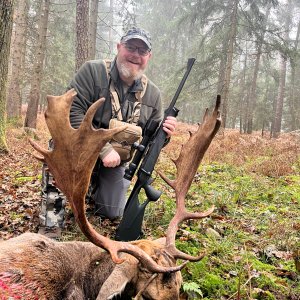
x: 138, y: 33
x: 53, y: 203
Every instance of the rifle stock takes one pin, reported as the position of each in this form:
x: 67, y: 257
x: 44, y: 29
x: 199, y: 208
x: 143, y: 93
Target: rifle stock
x: 130, y: 227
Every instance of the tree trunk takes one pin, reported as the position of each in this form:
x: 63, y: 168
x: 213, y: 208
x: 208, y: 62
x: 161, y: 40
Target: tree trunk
x: 241, y: 93
x: 266, y: 114
x: 231, y: 38
x: 252, y: 95
x: 14, y: 100
x: 221, y: 75
x: 111, y: 24
x: 82, y: 31
x: 93, y: 29
x: 282, y: 79
x: 279, y: 101
x: 6, y: 22
x: 34, y: 95
x: 293, y: 103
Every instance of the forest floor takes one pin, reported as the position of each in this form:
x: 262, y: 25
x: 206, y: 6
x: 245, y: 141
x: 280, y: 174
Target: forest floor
x: 252, y: 239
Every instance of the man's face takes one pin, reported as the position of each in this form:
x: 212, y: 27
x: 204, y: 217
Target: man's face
x: 131, y: 64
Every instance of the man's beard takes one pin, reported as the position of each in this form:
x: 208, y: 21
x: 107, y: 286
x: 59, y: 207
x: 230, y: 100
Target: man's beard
x: 127, y: 73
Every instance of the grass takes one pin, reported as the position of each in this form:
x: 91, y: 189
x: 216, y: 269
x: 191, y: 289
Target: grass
x: 250, y: 238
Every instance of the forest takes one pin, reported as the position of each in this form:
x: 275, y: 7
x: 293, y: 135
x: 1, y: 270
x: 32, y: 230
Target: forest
x: 246, y: 51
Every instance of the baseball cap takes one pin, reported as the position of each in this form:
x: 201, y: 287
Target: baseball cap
x: 137, y: 33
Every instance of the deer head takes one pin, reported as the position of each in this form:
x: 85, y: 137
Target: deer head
x: 71, y: 163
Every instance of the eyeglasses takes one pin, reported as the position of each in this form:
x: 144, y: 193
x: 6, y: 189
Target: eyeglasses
x: 141, y: 50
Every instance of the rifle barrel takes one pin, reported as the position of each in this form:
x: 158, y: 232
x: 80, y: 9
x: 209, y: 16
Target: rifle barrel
x: 190, y: 64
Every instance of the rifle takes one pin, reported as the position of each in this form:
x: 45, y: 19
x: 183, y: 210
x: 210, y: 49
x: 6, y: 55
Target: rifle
x: 149, y: 149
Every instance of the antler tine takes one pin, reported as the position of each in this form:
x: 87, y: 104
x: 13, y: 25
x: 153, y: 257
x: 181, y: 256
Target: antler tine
x: 71, y: 162
x: 187, y: 164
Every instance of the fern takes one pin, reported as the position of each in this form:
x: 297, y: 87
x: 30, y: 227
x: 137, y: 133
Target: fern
x: 193, y: 290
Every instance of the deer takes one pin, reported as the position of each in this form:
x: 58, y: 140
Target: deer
x: 37, y: 267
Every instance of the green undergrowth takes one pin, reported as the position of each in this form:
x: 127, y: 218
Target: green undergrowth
x: 249, y: 239
x: 19, y: 179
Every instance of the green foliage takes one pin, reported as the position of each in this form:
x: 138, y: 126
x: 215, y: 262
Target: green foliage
x: 211, y: 284
x: 60, y: 62
x: 25, y: 178
x: 183, y: 29
x: 253, y: 213
x: 192, y: 289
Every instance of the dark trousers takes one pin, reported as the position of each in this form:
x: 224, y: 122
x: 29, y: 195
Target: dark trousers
x: 110, y: 191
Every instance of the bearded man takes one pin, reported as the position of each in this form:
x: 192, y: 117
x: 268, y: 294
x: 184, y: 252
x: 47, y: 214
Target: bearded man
x: 129, y: 96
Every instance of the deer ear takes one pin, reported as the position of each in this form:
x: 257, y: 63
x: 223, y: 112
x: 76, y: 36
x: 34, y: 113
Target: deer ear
x: 116, y: 282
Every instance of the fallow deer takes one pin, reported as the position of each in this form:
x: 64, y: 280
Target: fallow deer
x: 41, y: 268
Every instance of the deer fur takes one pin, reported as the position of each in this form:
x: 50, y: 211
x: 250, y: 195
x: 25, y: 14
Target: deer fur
x: 47, y: 269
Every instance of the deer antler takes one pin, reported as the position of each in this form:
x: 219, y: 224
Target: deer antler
x: 71, y: 163
x: 187, y: 164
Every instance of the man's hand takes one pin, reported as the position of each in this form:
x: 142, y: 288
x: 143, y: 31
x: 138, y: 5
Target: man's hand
x: 112, y: 159
x: 169, y: 125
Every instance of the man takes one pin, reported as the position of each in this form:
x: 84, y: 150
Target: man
x: 129, y: 96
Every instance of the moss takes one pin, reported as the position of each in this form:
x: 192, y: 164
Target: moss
x: 211, y: 284
x: 25, y: 178
x: 260, y: 266
x: 263, y: 295
x: 15, y: 216
x: 252, y: 211
x: 198, y: 269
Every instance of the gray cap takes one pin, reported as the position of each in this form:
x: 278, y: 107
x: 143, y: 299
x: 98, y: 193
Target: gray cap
x: 137, y: 33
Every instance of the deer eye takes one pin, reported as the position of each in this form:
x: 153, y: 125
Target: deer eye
x: 167, y: 277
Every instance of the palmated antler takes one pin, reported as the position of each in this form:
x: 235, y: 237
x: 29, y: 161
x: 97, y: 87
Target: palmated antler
x: 71, y: 163
x: 187, y: 164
